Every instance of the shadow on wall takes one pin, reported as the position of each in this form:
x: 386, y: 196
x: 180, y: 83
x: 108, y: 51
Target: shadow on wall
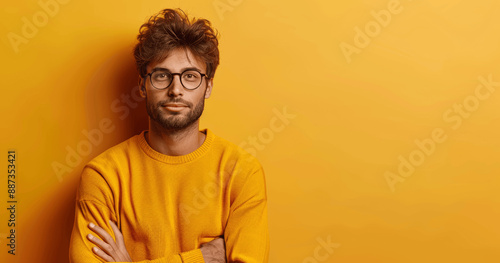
x: 112, y: 100
x: 114, y: 112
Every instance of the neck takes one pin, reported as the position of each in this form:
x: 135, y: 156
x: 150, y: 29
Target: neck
x: 175, y: 143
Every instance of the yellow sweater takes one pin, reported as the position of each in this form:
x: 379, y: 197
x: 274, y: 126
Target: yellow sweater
x: 167, y: 206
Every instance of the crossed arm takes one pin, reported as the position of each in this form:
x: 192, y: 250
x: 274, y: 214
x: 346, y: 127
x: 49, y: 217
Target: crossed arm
x: 115, y: 251
x: 245, y: 237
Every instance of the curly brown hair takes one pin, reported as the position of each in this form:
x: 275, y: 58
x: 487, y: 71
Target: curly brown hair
x: 171, y: 29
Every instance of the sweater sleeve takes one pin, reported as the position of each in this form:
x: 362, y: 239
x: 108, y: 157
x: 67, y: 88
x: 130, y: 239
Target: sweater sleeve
x: 246, y: 233
x: 97, y: 212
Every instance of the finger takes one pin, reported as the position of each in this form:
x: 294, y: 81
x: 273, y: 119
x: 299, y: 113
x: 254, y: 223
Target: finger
x: 118, y: 234
x: 102, y: 254
x: 108, y: 244
x: 102, y: 233
x: 103, y: 245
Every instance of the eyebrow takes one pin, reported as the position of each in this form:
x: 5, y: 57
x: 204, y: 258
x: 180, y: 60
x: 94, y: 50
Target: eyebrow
x: 182, y: 70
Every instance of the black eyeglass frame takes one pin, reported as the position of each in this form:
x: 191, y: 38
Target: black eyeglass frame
x: 150, y: 75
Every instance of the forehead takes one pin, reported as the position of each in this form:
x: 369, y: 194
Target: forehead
x: 179, y: 59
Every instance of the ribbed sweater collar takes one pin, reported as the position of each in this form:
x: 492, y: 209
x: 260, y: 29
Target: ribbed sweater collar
x: 141, y: 140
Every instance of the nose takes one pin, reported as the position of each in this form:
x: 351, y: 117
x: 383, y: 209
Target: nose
x: 176, y: 87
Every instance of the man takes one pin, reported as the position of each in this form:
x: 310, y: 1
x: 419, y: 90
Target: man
x: 172, y: 193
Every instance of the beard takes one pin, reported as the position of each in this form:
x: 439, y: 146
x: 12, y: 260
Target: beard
x: 175, y: 121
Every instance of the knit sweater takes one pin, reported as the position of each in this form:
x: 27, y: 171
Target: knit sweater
x: 167, y: 206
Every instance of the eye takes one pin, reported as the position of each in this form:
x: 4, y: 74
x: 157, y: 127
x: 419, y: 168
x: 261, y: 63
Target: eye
x: 161, y: 76
x: 191, y: 76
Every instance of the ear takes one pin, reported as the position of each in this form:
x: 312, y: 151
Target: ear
x: 143, y: 88
x: 208, y: 90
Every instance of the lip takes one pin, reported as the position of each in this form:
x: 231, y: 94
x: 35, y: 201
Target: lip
x: 174, y: 107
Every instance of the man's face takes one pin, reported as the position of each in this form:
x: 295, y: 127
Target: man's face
x: 176, y: 118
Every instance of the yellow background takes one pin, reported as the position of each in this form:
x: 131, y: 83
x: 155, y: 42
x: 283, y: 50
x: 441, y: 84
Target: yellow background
x: 326, y: 168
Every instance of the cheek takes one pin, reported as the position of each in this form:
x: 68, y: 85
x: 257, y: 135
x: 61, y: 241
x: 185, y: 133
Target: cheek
x: 152, y: 97
x: 199, y: 99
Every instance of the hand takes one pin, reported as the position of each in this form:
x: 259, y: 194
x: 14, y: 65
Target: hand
x: 214, y: 251
x: 109, y: 250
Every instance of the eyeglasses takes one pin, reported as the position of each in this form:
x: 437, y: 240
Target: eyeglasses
x: 161, y: 78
